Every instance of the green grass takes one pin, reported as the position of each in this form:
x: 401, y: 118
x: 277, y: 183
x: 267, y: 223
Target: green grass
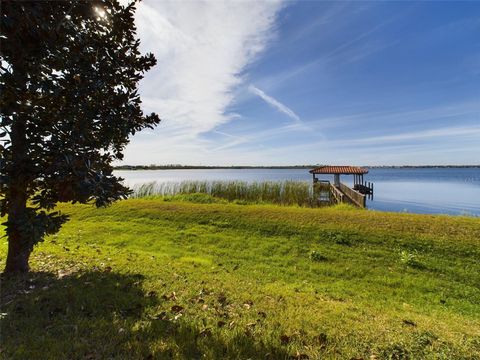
x: 197, y: 277
x: 274, y: 192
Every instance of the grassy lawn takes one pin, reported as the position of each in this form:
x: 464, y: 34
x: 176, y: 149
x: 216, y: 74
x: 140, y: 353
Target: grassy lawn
x: 155, y: 278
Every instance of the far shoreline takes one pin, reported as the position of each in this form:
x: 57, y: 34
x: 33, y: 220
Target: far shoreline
x: 239, y: 167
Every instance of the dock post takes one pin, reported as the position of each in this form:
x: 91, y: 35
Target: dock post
x: 337, y: 179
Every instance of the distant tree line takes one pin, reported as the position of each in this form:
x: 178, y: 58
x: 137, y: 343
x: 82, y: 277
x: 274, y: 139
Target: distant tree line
x: 187, y: 167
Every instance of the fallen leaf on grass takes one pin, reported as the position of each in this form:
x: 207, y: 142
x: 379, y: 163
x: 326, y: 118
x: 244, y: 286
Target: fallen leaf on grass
x: 284, y: 339
x: 62, y: 273
x: 206, y: 332
x: 262, y: 314
x: 248, y: 304
x: 322, y: 338
x: 176, y: 308
x: 160, y: 316
x: 152, y: 294
x: 172, y: 296
x: 300, y: 356
x: 222, y: 299
x: 204, y: 291
x: 409, y: 322
x: 197, y: 299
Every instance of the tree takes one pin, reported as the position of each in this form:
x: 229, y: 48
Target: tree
x: 69, y: 78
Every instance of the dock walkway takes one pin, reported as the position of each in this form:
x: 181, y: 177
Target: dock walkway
x: 341, y: 194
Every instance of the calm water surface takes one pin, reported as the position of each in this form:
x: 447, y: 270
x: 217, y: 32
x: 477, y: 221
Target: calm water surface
x: 429, y: 191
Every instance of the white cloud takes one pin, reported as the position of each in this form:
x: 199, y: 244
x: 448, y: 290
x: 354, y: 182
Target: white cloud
x: 202, y: 47
x: 273, y: 102
x: 447, y: 132
x: 202, y: 50
x: 260, y: 136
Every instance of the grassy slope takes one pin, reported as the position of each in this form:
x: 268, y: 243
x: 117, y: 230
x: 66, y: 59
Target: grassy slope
x: 169, y: 278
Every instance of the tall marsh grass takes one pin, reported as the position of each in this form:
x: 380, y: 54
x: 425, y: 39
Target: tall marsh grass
x: 282, y: 192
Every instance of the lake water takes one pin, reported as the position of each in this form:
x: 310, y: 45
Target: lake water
x: 420, y: 190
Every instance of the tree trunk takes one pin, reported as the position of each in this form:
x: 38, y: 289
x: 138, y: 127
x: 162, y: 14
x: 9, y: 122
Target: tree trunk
x: 18, y: 255
x: 19, y: 247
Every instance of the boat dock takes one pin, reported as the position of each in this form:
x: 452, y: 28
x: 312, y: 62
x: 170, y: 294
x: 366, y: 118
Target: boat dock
x: 338, y: 192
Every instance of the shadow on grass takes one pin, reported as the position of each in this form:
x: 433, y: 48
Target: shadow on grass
x: 99, y: 315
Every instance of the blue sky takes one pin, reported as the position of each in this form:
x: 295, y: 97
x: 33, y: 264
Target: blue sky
x: 305, y: 82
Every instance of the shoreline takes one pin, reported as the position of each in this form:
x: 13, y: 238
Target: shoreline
x: 240, y: 167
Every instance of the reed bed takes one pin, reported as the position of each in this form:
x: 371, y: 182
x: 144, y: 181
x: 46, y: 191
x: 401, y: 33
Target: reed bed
x: 276, y: 192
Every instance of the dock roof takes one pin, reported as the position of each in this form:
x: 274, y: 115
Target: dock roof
x: 346, y: 170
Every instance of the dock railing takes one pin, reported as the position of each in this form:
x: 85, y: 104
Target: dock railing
x: 337, y: 194
x: 358, y: 198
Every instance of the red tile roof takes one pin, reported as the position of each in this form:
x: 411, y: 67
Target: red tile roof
x: 347, y: 170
